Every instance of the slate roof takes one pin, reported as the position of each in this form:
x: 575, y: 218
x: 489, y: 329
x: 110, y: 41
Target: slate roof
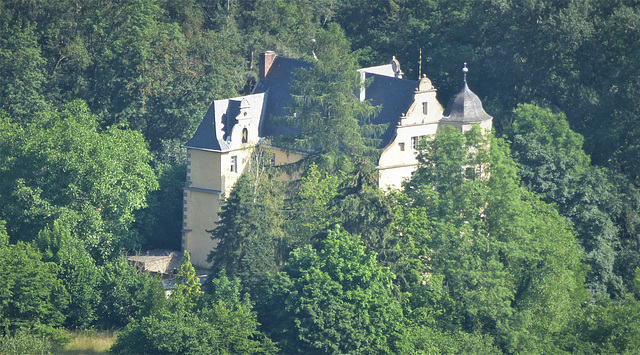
x: 273, y: 95
x: 465, y: 107
x: 277, y: 85
x: 394, y: 96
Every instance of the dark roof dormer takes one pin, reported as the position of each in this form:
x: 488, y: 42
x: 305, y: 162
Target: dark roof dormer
x: 465, y: 106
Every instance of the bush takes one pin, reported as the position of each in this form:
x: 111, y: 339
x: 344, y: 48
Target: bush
x: 24, y: 342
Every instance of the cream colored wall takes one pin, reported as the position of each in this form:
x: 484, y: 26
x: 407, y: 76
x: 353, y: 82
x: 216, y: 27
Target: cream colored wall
x: 396, y: 165
x: 229, y: 177
x: 204, y: 169
x: 282, y: 157
x: 209, y: 180
x: 393, y: 177
x: 201, y: 214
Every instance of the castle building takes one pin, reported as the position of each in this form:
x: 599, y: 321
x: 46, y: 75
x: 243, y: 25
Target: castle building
x: 222, y: 145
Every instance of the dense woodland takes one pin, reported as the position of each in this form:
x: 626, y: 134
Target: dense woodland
x: 523, y: 241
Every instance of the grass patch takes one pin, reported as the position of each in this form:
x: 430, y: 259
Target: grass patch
x: 87, y: 342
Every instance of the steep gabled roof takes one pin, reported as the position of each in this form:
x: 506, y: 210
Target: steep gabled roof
x: 394, y: 96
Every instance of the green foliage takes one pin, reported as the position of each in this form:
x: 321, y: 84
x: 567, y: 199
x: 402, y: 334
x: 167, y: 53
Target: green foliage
x: 333, y: 299
x: 326, y: 109
x: 160, y: 222
x: 24, y: 342
x: 63, y: 166
x: 224, y: 324
x: 22, y: 74
x: 126, y: 295
x: 362, y: 209
x: 4, y: 237
x: 187, y: 286
x: 136, y: 62
x: 510, y: 264
x: 30, y: 291
x: 310, y: 208
x: 425, y: 340
x: 79, y: 274
x: 251, y: 241
x: 606, y: 327
x: 552, y: 162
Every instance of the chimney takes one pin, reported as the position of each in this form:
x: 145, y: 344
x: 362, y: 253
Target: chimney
x: 266, y: 60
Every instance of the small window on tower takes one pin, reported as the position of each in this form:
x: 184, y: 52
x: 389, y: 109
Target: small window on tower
x: 425, y: 108
x: 401, y: 145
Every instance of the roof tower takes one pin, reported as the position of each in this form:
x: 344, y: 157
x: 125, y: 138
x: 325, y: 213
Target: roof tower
x: 465, y: 106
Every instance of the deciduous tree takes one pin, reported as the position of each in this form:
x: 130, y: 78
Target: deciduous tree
x: 63, y: 164
x: 333, y: 299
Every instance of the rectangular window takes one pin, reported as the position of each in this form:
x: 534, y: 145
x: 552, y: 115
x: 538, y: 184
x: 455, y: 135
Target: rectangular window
x: 414, y: 142
x: 401, y: 145
x: 234, y: 164
x: 425, y: 107
x: 470, y: 173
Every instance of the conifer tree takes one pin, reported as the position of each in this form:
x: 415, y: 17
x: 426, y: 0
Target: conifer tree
x: 187, y: 290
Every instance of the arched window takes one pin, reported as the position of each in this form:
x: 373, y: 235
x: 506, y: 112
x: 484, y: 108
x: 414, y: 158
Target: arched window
x: 245, y: 135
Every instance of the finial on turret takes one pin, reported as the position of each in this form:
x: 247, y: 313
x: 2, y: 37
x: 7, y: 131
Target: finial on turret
x: 465, y: 70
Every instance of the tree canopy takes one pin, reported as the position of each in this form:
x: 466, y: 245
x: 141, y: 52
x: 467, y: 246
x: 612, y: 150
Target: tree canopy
x: 64, y: 166
x: 527, y: 243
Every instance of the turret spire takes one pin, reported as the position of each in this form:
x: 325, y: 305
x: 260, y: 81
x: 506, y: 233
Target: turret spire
x: 465, y: 106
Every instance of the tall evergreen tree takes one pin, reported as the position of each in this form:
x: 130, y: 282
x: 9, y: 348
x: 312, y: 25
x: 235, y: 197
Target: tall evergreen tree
x: 250, y: 238
x: 330, y: 116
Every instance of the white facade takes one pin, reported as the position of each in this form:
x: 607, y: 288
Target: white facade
x: 398, y: 159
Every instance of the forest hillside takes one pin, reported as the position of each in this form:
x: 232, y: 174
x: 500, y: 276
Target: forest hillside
x: 526, y: 240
